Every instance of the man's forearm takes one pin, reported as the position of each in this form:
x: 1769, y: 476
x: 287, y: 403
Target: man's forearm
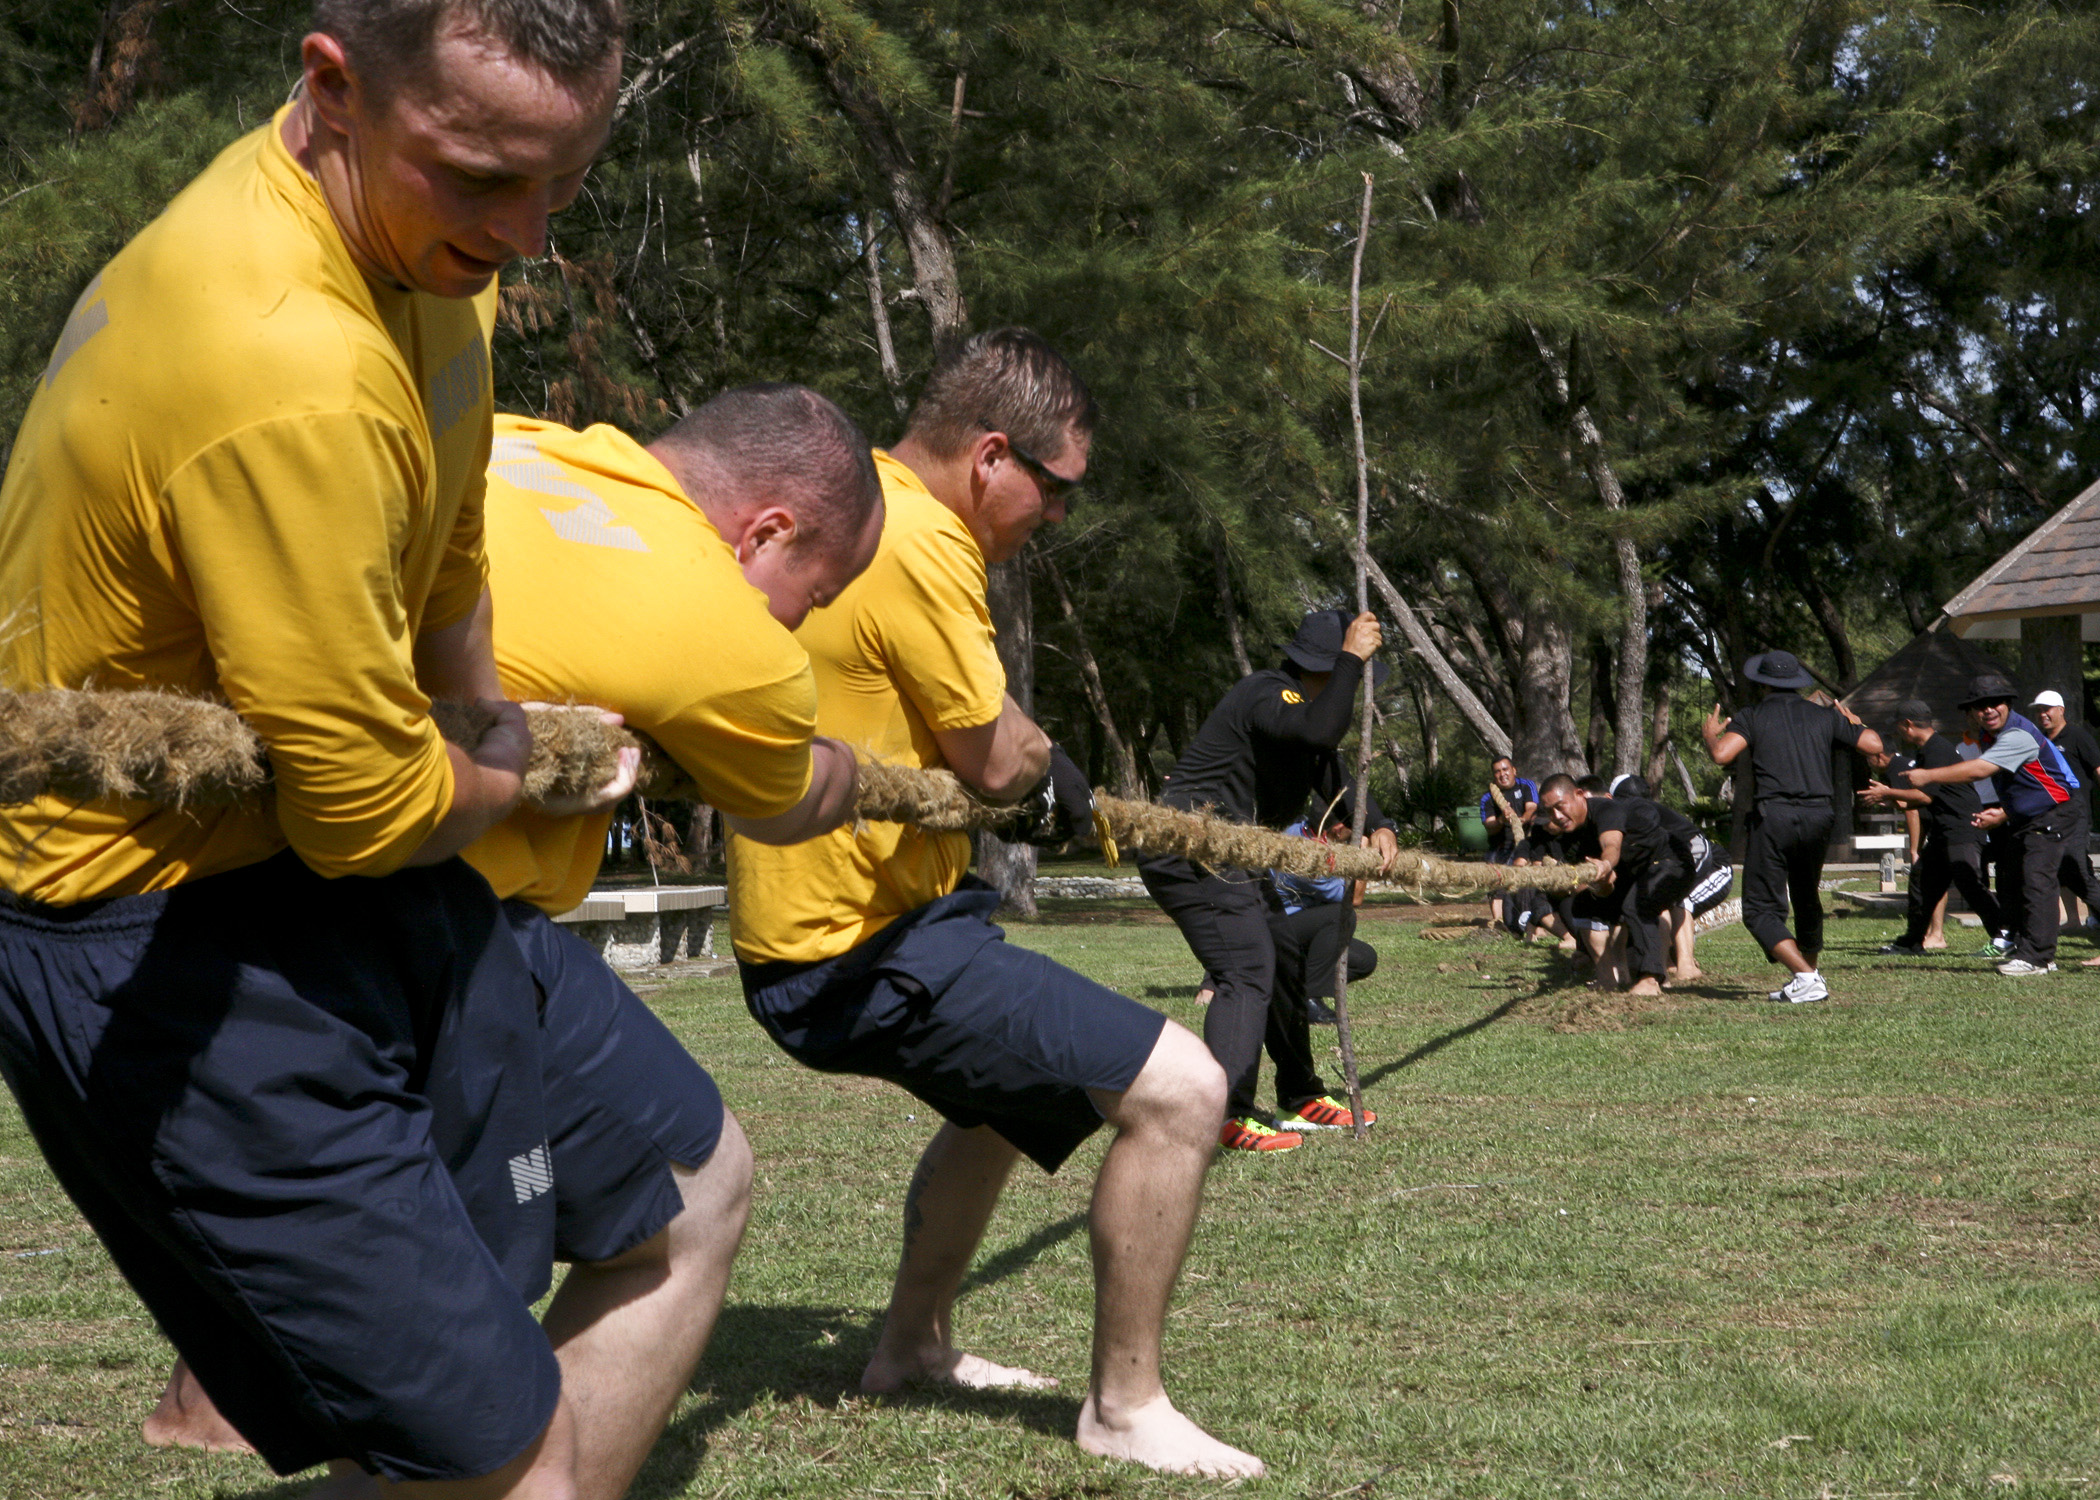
x: 458, y: 661
x: 833, y: 780
x: 483, y: 795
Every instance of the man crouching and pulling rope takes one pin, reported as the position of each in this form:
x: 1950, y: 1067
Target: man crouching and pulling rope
x: 285, y: 1053
x: 871, y: 952
x: 660, y: 583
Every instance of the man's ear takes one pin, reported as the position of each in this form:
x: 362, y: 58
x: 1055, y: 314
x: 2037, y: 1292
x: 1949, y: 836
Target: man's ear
x: 774, y: 526
x: 329, y: 81
x: 989, y: 448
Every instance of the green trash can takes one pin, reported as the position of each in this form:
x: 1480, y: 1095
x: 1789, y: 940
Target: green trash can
x: 1472, y: 833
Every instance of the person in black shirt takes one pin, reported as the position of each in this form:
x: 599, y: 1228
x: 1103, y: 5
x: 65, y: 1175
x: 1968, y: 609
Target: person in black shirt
x: 1791, y: 816
x: 1647, y: 856
x: 1952, y: 850
x: 2079, y: 748
x: 1266, y: 749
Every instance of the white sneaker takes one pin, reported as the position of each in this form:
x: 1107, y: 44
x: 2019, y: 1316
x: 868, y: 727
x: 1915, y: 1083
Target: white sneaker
x: 2020, y: 968
x: 1801, y: 989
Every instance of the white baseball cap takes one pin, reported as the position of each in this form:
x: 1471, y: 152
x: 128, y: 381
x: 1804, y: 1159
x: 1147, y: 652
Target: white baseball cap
x: 2051, y: 699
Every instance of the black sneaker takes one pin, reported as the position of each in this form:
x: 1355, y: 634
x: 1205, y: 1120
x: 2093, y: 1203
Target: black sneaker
x: 1903, y: 950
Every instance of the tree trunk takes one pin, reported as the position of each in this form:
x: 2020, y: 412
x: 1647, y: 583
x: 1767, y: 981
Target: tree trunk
x: 1229, y: 607
x: 1123, y: 771
x: 879, y: 312
x: 933, y: 266
x: 1658, y: 741
x: 1475, y: 713
x: 1011, y: 867
x: 1600, y: 706
x: 1633, y: 593
x: 1547, y: 741
x: 700, y: 837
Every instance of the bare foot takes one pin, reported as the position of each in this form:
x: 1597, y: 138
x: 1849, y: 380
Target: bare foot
x: 1647, y: 984
x: 2089, y: 963
x: 186, y: 1418
x: 1159, y: 1437
x: 889, y: 1372
x: 1204, y: 996
x: 1685, y: 976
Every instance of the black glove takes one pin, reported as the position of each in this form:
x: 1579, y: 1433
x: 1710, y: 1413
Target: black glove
x: 1057, y: 809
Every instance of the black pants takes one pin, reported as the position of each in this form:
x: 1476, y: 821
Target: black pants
x: 1785, y: 864
x: 2029, y: 906
x: 2075, y: 873
x: 1642, y: 893
x: 1224, y: 915
x: 1940, y: 865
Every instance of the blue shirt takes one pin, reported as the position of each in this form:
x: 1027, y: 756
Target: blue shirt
x: 1301, y: 891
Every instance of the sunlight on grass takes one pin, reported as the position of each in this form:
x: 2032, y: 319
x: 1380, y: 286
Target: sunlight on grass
x: 1694, y: 1246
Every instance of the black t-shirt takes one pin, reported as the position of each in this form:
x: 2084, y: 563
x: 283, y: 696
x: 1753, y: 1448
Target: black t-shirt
x: 1646, y: 831
x: 2082, y: 751
x: 1954, y: 803
x: 1265, y: 750
x: 1790, y: 740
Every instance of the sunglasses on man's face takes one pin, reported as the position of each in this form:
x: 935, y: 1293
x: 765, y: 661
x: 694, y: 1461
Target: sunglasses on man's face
x: 1055, y: 486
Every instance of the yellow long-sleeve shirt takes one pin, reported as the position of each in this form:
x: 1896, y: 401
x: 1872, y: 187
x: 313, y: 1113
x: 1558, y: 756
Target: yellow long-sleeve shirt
x: 906, y: 649
x: 250, y: 474
x: 612, y: 588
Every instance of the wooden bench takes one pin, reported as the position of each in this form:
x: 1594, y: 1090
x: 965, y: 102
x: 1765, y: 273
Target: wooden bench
x: 637, y: 927
x: 1888, y: 844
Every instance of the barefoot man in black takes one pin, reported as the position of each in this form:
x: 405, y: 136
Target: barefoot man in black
x: 871, y: 952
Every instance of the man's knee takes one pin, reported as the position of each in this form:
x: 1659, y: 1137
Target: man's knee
x: 1180, y: 1086
x: 716, y: 1197
x: 717, y: 1193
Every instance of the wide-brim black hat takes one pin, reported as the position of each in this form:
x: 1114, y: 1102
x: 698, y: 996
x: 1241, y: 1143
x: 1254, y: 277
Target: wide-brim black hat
x: 1780, y: 669
x: 1989, y: 688
x: 1319, y: 641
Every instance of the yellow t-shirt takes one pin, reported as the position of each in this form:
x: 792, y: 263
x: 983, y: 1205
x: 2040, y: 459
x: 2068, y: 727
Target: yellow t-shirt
x: 612, y: 588
x: 906, y: 649
x: 249, y: 474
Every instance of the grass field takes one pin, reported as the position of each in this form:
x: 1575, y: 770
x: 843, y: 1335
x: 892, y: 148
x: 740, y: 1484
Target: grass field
x: 1705, y: 1245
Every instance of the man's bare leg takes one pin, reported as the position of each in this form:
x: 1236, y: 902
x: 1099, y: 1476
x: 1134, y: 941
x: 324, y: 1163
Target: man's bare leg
x: 1684, y: 963
x: 544, y: 1471
x: 628, y: 1333
x: 1936, y: 930
x: 950, y: 1201
x: 1144, y: 1211
x: 186, y: 1418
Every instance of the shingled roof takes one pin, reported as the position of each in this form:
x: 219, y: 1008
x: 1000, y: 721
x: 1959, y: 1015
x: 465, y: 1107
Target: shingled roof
x: 1936, y: 666
x: 2056, y: 571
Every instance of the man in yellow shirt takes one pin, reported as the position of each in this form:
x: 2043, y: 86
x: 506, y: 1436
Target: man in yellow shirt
x: 870, y: 951
x: 660, y: 583
x: 285, y: 1056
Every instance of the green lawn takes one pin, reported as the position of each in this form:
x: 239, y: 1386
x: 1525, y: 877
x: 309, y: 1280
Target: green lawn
x: 1698, y: 1246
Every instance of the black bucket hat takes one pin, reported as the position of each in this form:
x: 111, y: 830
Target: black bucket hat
x: 1319, y: 641
x: 1780, y: 669
x: 1989, y: 688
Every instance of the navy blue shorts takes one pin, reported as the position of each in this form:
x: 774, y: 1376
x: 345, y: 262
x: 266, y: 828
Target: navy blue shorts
x: 940, y: 1004
x: 624, y: 1099
x: 310, y: 1121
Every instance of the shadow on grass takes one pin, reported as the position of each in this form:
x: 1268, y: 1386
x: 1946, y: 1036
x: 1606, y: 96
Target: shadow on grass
x: 806, y: 1357
x: 791, y: 1355
x: 1170, y: 992
x: 1016, y: 1257
x: 1437, y: 1044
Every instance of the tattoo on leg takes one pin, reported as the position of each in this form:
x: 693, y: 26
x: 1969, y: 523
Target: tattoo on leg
x: 914, y: 1215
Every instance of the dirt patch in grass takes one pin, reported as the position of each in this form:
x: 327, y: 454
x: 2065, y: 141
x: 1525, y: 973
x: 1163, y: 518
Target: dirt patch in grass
x: 1603, y: 1010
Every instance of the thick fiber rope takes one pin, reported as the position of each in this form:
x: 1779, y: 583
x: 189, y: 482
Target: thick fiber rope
x: 189, y: 752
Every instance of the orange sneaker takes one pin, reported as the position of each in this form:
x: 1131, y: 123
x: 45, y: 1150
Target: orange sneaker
x: 1323, y: 1113
x: 1245, y: 1133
